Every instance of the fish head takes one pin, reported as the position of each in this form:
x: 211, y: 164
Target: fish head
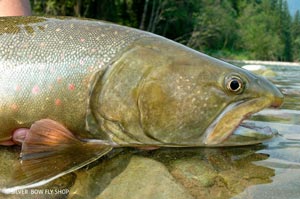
x: 182, y: 97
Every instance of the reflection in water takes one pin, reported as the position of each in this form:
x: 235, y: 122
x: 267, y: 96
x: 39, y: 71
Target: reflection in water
x: 164, y: 173
x: 268, y: 170
x: 174, y: 173
x: 284, y: 150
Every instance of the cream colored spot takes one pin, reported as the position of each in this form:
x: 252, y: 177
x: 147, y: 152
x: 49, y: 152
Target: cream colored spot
x: 91, y: 68
x: 50, y: 87
x: 59, y: 80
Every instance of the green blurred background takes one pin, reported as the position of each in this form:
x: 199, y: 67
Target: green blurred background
x: 230, y: 29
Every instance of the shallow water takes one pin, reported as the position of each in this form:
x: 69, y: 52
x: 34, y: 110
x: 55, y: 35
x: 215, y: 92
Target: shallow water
x: 268, y: 170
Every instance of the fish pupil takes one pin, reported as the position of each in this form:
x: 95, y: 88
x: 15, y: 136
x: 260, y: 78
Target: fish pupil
x: 234, y: 85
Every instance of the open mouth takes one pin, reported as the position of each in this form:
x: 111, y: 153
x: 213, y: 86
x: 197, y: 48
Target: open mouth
x: 230, y: 120
x: 248, y: 133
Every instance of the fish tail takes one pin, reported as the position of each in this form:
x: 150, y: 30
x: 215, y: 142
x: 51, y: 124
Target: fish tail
x: 50, y: 151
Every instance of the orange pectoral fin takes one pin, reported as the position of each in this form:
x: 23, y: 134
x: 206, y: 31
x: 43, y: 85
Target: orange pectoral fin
x: 50, y: 151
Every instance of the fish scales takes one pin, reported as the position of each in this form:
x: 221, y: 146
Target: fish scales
x: 57, y: 56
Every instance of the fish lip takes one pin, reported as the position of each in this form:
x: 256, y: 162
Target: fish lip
x: 214, y: 134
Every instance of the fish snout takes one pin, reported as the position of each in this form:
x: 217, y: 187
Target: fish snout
x: 278, y: 100
x: 272, y: 92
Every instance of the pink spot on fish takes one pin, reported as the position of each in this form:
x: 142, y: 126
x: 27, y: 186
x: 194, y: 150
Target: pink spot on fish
x: 52, y: 70
x: 71, y: 87
x: 82, y: 39
x: 62, y: 56
x: 35, y: 89
x: 57, y: 102
x: 14, y: 107
x: 81, y: 62
x: 42, y: 44
x: 18, y: 88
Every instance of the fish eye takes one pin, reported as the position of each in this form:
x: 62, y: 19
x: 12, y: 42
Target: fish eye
x: 235, y: 85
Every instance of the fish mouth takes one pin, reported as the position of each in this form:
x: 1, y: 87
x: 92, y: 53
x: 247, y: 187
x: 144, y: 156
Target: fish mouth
x: 232, y: 116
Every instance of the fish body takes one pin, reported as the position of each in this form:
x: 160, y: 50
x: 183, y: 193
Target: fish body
x: 112, y: 86
x: 47, y: 66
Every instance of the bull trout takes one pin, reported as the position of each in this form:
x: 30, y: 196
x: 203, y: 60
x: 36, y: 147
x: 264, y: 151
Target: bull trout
x: 86, y: 86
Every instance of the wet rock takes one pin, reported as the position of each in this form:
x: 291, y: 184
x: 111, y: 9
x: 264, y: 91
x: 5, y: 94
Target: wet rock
x: 94, y: 178
x: 220, y: 173
x: 195, y: 175
x: 144, y: 178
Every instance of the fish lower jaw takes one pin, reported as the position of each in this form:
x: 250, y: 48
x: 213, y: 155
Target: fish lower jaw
x: 230, y: 119
x: 215, y: 138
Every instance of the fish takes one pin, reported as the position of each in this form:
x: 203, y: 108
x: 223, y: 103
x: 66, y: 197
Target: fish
x: 84, y: 87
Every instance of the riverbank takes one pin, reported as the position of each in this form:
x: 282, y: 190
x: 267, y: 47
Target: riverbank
x: 258, y: 62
